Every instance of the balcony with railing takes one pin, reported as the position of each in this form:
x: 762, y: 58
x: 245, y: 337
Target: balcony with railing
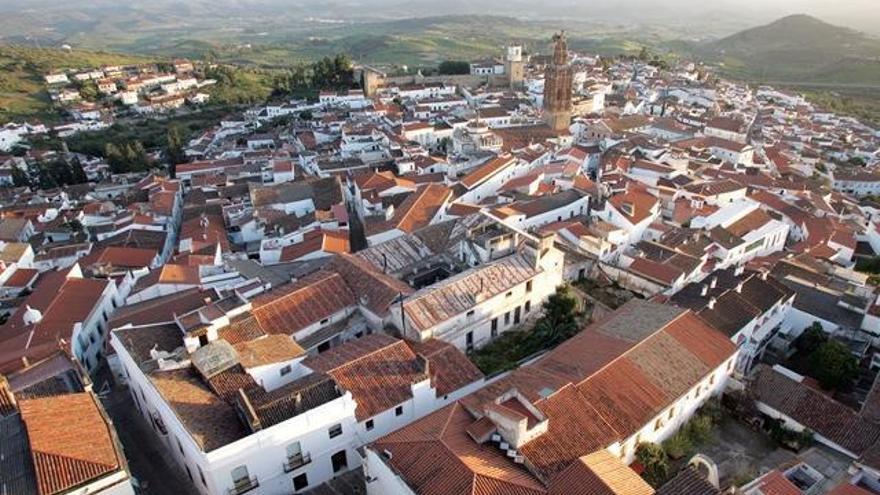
x: 296, y: 461
x: 243, y: 485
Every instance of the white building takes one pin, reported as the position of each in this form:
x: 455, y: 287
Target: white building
x: 270, y: 419
x: 509, y: 433
x: 470, y: 309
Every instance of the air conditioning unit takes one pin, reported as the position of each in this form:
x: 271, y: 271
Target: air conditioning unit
x: 512, y: 454
x: 504, y: 445
x: 496, y: 437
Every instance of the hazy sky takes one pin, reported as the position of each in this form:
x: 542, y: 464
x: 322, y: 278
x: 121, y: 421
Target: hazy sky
x: 860, y: 14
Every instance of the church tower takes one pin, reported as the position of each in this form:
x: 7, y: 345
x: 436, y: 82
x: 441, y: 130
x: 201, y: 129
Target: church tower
x: 557, y: 87
x: 513, y: 66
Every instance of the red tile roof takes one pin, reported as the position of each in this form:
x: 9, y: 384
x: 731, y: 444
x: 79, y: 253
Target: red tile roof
x: 378, y: 370
x: 80, y: 451
x: 487, y: 170
x: 289, y: 308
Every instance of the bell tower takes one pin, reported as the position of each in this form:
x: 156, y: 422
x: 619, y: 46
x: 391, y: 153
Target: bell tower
x: 513, y: 66
x: 557, y: 86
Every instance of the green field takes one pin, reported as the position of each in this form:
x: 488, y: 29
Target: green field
x: 22, y: 88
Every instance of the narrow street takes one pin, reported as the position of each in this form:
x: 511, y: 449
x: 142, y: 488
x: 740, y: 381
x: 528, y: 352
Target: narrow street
x: 146, y: 457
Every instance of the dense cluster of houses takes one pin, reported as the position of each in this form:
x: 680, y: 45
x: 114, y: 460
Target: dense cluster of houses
x: 300, y: 299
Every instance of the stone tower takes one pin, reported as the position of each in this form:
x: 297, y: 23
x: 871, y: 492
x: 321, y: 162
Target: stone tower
x: 557, y: 87
x: 513, y: 66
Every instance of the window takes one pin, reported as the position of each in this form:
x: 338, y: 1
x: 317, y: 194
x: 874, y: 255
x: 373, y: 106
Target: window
x: 516, y: 315
x: 324, y: 321
x: 510, y: 293
x: 335, y: 430
x: 300, y: 482
x: 507, y: 318
x: 398, y: 410
x: 529, y: 286
x: 671, y: 413
x: 494, y: 327
x: 712, y: 379
x: 202, y: 476
x: 469, y: 341
x: 528, y: 306
x: 470, y: 313
x: 240, y: 476
x: 658, y: 424
x: 285, y: 370
x: 189, y: 473
x: 179, y: 447
x: 369, y: 424
x: 339, y: 461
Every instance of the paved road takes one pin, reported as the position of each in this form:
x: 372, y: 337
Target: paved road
x: 146, y: 457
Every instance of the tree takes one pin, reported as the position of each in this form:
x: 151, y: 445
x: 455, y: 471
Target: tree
x: 833, y: 365
x: 560, y: 317
x: 652, y: 457
x: 20, y: 177
x: 451, y: 67
x: 811, y: 338
x: 174, y: 149
x: 306, y: 115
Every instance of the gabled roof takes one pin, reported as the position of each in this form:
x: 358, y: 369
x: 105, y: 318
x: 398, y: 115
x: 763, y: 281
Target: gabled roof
x: 601, y: 386
x: 815, y: 410
x: 290, y: 308
x: 421, y: 207
x: 641, y: 203
x: 487, y: 170
x: 80, y: 451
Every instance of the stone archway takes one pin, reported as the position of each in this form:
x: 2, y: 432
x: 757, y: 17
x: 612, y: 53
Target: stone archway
x: 706, y: 467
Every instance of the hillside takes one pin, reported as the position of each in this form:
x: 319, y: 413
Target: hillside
x: 22, y: 89
x: 798, y: 49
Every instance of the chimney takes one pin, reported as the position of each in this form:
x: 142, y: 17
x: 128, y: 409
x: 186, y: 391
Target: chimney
x: 711, y: 304
x: 739, y: 270
x: 739, y: 287
x: 704, y: 290
x: 713, y: 282
x: 764, y: 275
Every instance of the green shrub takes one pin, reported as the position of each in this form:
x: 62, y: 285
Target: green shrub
x: 700, y: 428
x: 652, y: 457
x: 678, y: 445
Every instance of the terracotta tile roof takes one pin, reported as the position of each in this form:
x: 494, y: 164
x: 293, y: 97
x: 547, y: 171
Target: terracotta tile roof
x: 290, y: 308
x: 211, y: 422
x: 437, y: 457
x: 162, y: 309
x: 377, y: 369
x: 688, y: 482
x: 450, y: 370
x: 775, y: 483
x: 63, y: 457
x: 63, y: 302
x: 421, y: 207
x: 639, y: 203
x: 120, y: 256
x: 655, y: 271
x: 372, y: 289
x: 487, y: 170
x: 816, y: 411
x: 169, y: 273
x: 600, y: 386
x: 848, y: 489
x: 456, y: 295
x: 22, y: 277
x: 270, y: 349
x: 326, y: 241
x: 749, y: 223
x: 241, y: 329
x: 599, y: 473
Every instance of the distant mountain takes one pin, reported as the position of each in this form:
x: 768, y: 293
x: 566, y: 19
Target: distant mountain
x: 798, y: 48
